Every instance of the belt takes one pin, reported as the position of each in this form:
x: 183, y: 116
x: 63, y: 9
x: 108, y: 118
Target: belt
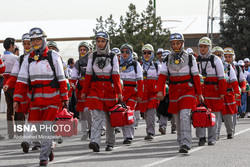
x: 210, y: 83
x: 177, y: 82
x: 130, y: 85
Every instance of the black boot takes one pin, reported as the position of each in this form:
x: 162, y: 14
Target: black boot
x: 202, y: 141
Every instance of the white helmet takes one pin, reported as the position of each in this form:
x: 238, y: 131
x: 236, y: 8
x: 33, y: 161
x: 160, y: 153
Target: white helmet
x: 159, y: 50
x: 26, y: 37
x: 116, y: 51
x: 241, y: 63
x: 36, y: 33
x: 205, y: 41
x: 217, y: 49
x: 148, y: 47
x: 246, y: 60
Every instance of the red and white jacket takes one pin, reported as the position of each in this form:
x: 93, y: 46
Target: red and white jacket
x: 214, y: 84
x: 102, y: 95
x: 2, y: 67
x: 242, y: 83
x: 11, y: 82
x: 132, y: 86
x: 149, y: 99
x: 232, y: 89
x: 9, y: 60
x: 77, y: 78
x: 40, y: 72
x: 181, y: 95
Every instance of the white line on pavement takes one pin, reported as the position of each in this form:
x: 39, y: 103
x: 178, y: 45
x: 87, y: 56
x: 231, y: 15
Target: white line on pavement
x: 193, y: 150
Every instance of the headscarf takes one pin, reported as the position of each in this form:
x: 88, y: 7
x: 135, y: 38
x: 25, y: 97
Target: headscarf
x: 207, y: 54
x: 82, y: 62
x: 104, y: 51
x: 127, y: 62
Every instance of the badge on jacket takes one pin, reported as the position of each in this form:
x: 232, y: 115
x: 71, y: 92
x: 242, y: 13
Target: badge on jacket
x: 101, y: 63
x: 35, y: 57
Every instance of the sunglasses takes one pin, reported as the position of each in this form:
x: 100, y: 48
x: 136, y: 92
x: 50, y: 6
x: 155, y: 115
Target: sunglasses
x: 35, y: 39
x: 127, y: 52
x: 147, y: 53
x: 159, y: 53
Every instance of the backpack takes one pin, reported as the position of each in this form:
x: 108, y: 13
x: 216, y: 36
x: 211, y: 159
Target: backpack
x: 79, y: 87
x: 111, y: 56
x: 211, y: 59
x: 54, y: 83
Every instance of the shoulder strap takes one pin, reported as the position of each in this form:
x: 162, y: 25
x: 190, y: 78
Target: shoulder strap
x: 190, y: 63
x: 238, y: 73
x: 156, y: 67
x: 94, y: 57
x: 21, y: 60
x: 212, y: 63
x: 190, y: 60
x: 49, y: 58
x: 228, y: 71
x: 135, y: 66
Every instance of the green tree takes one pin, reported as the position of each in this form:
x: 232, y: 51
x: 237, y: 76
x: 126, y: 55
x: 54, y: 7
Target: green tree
x: 236, y: 28
x: 136, y: 29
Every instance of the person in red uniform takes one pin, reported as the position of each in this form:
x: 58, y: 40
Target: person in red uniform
x: 102, y: 90
x: 213, y: 89
x: 9, y: 60
x: 229, y: 58
x: 24, y: 104
x: 132, y: 86
x: 47, y: 89
x: 2, y: 69
x: 149, y: 102
x: 77, y: 78
x: 184, y: 84
x: 230, y: 96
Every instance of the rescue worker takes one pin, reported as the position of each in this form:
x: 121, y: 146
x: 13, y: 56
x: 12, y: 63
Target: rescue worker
x: 243, y: 107
x: 229, y: 98
x: 163, y: 115
x: 42, y: 73
x: 117, y: 53
x: 213, y: 89
x: 24, y: 105
x: 102, y: 90
x: 132, y: 86
x: 2, y: 69
x: 9, y: 60
x: 184, y: 82
x: 229, y: 58
x: 77, y: 78
x: 159, y: 55
x: 149, y: 102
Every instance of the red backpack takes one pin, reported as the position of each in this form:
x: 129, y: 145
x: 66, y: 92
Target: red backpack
x: 67, y: 125
x: 121, y: 115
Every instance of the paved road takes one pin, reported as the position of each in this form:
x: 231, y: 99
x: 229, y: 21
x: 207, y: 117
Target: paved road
x: 162, y: 151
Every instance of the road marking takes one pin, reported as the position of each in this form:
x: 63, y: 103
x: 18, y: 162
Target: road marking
x: 193, y: 150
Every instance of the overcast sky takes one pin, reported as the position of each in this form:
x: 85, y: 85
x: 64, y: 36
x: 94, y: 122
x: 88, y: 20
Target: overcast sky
x: 36, y: 10
x: 76, y: 18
